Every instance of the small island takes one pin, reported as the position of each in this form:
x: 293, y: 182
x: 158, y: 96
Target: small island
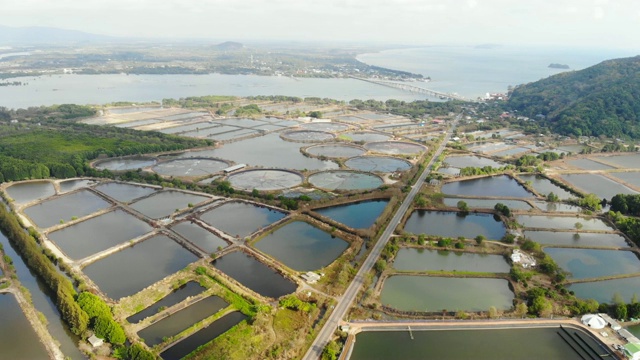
x: 559, y: 66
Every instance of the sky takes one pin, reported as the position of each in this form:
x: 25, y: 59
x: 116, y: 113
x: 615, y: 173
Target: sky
x: 583, y: 23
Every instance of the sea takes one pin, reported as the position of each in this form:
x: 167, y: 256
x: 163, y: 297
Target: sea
x: 469, y: 71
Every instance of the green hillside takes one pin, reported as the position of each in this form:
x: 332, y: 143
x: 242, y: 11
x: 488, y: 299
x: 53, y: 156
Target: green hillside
x: 600, y: 100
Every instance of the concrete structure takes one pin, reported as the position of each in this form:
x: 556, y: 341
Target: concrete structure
x: 233, y: 168
x: 614, y: 324
x: 625, y: 334
x: 526, y: 260
x: 310, y: 277
x: 95, y: 341
x: 593, y: 321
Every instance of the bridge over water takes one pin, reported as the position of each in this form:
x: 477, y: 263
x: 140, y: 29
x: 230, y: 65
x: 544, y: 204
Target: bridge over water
x: 414, y: 89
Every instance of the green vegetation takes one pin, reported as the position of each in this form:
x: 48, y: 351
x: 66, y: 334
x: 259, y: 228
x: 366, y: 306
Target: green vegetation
x: 248, y: 110
x: 101, y: 318
x: 46, y: 142
x: 414, y: 109
x: 599, y: 100
x: 626, y: 204
x: 35, y: 258
x: 294, y: 303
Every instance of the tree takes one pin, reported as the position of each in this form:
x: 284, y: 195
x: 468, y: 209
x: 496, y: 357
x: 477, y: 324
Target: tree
x: 551, y: 197
x: 590, y: 201
x: 421, y: 239
x: 380, y: 265
x: 493, y: 312
x: 480, y: 239
x: 578, y: 226
x: 621, y: 311
x: 462, y: 206
x: 521, y: 310
x: 331, y: 351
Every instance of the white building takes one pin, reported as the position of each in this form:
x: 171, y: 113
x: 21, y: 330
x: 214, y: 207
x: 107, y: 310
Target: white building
x: 593, y: 321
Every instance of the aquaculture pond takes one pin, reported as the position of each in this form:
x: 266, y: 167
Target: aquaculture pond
x: 561, y: 222
x: 433, y: 294
x: 588, y: 164
x: 632, y: 178
x: 255, y: 275
x: 240, y: 219
x: 604, y: 291
x: 593, y: 263
x: 363, y: 136
x: 165, y: 203
x: 65, y: 208
x: 486, y: 343
x: 18, y: 340
x: 125, y: 164
x: 70, y: 185
x: 302, y: 246
x: 325, y: 126
x: 544, y: 186
x: 26, y: 192
x: 556, y: 207
x: 267, y: 151
x: 487, y: 203
x: 395, y: 148
x: 382, y: 164
x: 202, y: 238
x: 358, y: 215
x: 265, y: 180
x: 336, y: 150
x: 180, y: 294
x: 626, y: 161
x: 133, y: 269
x: 203, y: 336
x: 452, y: 224
x: 471, y: 161
x: 181, y: 320
x: 597, y: 184
x: 409, y: 259
x: 345, y: 180
x: 308, y: 135
x: 124, y: 192
x: 98, y: 233
x: 583, y: 239
x: 190, y: 167
x: 499, y: 186
x: 44, y: 302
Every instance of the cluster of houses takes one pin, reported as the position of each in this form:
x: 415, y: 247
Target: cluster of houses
x: 599, y: 321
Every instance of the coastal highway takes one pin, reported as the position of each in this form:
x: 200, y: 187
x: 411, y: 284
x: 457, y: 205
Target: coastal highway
x: 345, y: 302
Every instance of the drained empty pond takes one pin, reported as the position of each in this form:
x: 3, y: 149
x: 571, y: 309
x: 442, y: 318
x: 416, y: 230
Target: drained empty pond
x: 302, y: 246
x: 255, y: 275
x: 240, y: 219
x: 132, y: 269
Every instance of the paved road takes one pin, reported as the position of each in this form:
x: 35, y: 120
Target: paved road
x: 315, y: 351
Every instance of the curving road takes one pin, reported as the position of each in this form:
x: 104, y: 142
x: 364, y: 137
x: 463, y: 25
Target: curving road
x: 344, y: 303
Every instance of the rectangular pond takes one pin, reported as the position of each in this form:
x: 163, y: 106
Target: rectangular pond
x: 487, y: 203
x: 486, y: 343
x: 70, y: 185
x: 471, y: 161
x: 165, y: 203
x: 632, y: 177
x: 302, y: 246
x: 65, y: 208
x: 133, y: 269
x: 255, y: 275
x: 433, y: 294
x: 588, y: 164
x: 189, y: 289
x: 202, y: 238
x: 203, y: 336
x: 597, y: 184
x: 626, y: 161
x: 561, y: 222
x: 18, y: 340
x: 359, y: 215
x: 544, y: 186
x: 240, y: 219
x: 124, y: 192
x: 179, y: 321
x: 593, y: 263
x: 570, y: 239
x: 409, y: 259
x: 98, y: 233
x: 451, y: 224
x: 498, y: 186
x: 556, y: 207
x: 603, y: 291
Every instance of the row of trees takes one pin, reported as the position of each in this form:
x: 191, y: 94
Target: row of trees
x: 626, y: 204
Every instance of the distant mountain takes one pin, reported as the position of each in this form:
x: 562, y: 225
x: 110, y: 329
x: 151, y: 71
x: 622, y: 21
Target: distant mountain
x: 229, y: 45
x: 39, y: 35
x: 600, y: 100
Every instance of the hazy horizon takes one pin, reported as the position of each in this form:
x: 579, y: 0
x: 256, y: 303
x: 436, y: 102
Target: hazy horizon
x: 573, y: 23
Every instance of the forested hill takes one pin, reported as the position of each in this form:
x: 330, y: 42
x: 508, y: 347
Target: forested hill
x: 600, y: 100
